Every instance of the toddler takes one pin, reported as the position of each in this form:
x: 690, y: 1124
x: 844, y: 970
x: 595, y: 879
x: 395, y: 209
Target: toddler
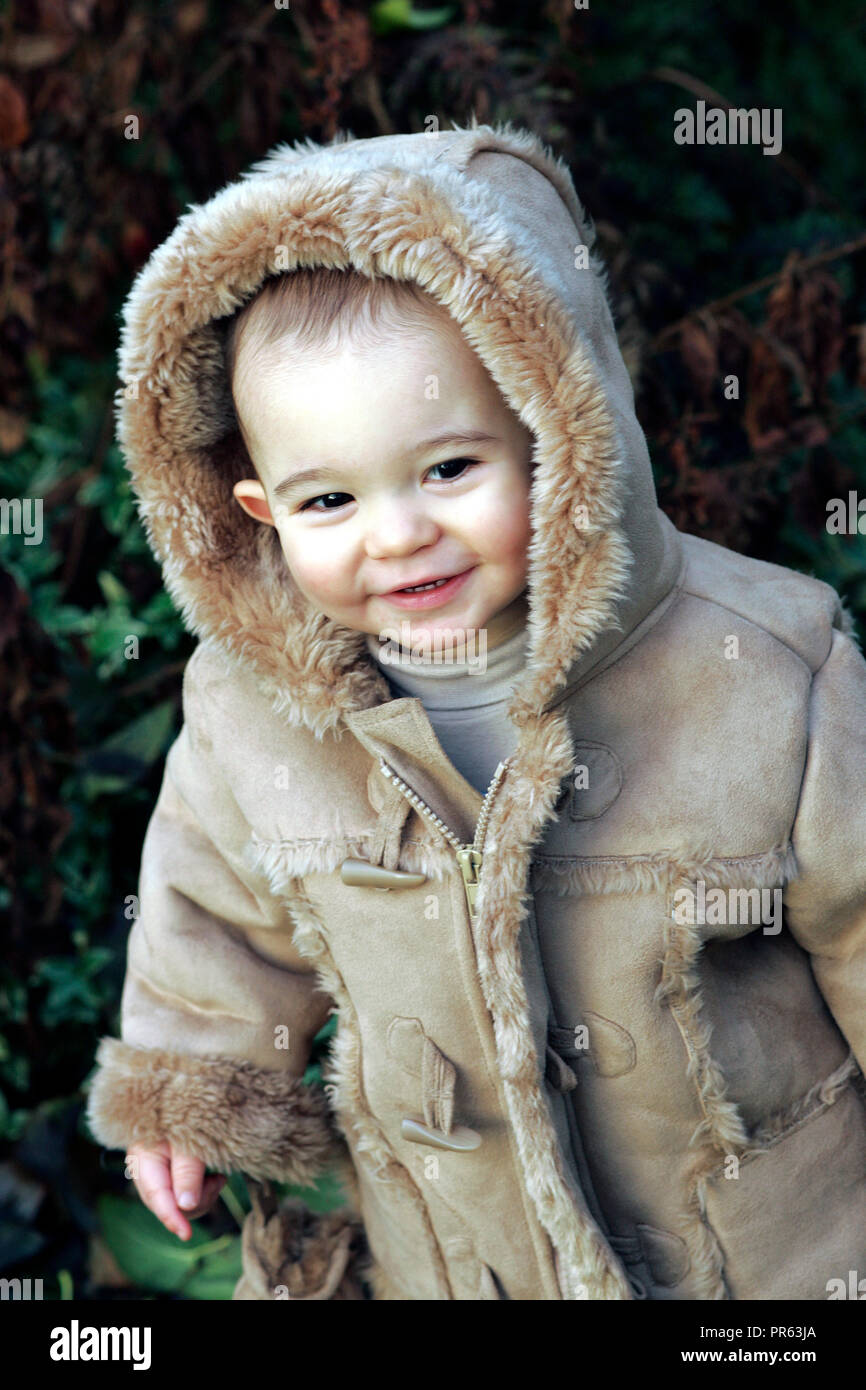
x: 483, y: 755
x: 363, y: 399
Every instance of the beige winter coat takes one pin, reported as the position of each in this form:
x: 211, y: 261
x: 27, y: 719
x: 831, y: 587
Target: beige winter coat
x: 569, y: 1090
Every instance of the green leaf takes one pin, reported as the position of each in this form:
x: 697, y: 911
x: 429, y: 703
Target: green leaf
x: 13, y: 1000
x: 12, y: 1123
x: 147, y: 737
x: 112, y: 589
x: 327, y: 1030
x: 95, y: 784
x: 326, y: 1195
x: 107, y: 642
x: 389, y: 15
x: 215, y: 1276
x: 15, y: 1071
x: 72, y: 996
x: 153, y: 1258
x: 65, y: 617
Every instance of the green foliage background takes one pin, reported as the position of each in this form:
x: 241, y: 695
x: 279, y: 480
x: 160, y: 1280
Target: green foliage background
x: 84, y: 728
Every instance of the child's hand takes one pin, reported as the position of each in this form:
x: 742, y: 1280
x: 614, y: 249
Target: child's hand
x: 165, y: 1176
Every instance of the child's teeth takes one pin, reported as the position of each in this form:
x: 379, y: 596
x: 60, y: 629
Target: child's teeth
x: 419, y: 588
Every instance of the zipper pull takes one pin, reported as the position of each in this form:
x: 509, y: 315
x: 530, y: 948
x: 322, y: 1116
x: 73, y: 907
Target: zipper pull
x: 470, y: 861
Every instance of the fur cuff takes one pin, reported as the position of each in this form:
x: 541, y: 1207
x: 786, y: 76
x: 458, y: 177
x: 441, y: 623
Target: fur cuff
x: 231, y: 1114
x: 291, y: 1252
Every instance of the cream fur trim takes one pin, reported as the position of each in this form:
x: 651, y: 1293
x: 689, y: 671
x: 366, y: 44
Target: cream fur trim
x: 230, y: 1114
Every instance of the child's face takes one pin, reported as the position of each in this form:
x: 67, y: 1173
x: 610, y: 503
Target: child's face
x: 390, y: 509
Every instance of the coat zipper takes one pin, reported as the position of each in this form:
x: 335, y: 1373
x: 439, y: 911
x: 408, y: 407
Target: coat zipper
x: 469, y: 857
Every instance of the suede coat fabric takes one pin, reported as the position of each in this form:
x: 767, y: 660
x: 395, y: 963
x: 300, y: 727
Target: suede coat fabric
x: 603, y: 1072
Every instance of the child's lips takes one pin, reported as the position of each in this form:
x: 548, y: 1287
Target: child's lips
x: 429, y: 598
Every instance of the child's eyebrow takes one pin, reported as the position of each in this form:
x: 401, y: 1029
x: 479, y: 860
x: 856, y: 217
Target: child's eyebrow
x: 308, y: 476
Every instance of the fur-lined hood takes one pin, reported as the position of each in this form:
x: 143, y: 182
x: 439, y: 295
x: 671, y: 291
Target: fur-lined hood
x: 487, y: 221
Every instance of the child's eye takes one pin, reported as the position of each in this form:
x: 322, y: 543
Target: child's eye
x: 462, y: 463
x: 309, y: 506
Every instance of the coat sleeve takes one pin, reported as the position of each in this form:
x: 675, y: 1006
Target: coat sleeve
x: 826, y: 905
x: 219, y: 1009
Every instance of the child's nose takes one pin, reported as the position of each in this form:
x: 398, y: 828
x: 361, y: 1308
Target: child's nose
x: 398, y: 527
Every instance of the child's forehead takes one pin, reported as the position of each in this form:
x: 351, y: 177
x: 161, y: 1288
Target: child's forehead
x: 287, y: 415
x: 262, y: 368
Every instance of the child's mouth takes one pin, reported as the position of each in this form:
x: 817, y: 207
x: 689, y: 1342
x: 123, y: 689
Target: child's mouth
x: 428, y: 595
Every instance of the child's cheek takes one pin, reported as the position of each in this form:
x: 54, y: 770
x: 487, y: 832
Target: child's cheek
x: 315, y: 563
x: 508, y: 531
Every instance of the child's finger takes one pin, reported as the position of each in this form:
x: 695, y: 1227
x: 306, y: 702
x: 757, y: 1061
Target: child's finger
x: 210, y: 1192
x: 154, y: 1184
x: 187, y: 1175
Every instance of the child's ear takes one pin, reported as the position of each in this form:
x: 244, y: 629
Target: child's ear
x: 251, y: 496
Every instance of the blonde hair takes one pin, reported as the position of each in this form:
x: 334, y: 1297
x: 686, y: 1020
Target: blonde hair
x: 319, y: 309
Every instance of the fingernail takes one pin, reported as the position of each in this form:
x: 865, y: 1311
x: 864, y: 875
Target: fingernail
x: 186, y: 1200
